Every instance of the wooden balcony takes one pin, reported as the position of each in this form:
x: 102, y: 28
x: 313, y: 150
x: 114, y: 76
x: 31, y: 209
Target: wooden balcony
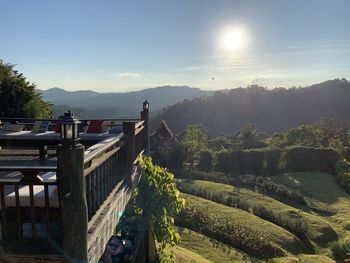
x: 62, y: 204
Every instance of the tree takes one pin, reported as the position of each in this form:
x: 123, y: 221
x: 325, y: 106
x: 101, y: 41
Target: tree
x: 248, y: 136
x: 304, y: 135
x: 330, y: 131
x: 18, y: 97
x: 194, y: 140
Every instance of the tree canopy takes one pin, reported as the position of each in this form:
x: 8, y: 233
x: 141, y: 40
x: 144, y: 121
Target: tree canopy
x: 19, y: 97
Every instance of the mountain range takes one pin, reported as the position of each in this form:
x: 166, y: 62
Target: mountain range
x: 271, y: 110
x: 91, y: 104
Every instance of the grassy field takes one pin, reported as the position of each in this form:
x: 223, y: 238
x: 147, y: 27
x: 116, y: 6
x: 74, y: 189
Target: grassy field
x: 320, y: 230
x: 264, y: 229
x: 318, y: 188
x: 208, y: 249
x: 324, y: 189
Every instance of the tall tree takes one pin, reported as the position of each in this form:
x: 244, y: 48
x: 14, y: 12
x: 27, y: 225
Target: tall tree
x: 330, y: 130
x: 248, y: 136
x: 19, y: 97
x: 194, y: 140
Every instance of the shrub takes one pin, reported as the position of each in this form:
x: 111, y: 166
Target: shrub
x: 224, y: 161
x: 296, y: 224
x: 205, y: 161
x: 341, y: 250
x: 272, y: 161
x: 343, y: 174
x: 250, y: 161
x: 301, y: 159
x: 229, y: 232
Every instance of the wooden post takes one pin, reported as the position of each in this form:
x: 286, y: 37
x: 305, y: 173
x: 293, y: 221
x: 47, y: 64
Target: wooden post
x: 145, y: 118
x: 72, y: 198
x: 129, y: 147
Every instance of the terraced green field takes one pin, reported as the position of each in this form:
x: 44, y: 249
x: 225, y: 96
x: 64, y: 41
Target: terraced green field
x: 318, y: 188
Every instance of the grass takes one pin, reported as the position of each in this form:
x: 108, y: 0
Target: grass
x: 320, y: 189
x: 266, y: 230
x: 210, y: 249
x: 305, y: 259
x: 324, y: 189
x: 183, y: 255
x: 320, y: 231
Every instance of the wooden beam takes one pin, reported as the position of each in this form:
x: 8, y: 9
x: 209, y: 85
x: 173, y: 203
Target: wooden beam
x: 72, y: 198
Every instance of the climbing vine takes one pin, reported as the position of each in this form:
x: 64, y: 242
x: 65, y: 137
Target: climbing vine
x: 155, y: 203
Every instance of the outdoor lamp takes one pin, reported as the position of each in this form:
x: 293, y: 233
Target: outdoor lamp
x: 145, y: 105
x: 69, y: 129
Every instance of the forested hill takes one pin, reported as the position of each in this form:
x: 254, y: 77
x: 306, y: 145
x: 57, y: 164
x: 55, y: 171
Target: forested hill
x: 91, y: 104
x: 273, y: 110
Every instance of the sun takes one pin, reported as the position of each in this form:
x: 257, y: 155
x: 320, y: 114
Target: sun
x: 232, y: 40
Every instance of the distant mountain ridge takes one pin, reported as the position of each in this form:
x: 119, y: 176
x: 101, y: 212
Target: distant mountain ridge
x: 94, y: 104
x: 271, y: 111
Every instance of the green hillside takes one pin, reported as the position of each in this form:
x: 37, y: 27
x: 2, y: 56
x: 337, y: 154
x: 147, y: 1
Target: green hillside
x: 319, y: 189
x: 271, y: 110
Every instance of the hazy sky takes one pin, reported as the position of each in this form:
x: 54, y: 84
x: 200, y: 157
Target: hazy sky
x: 111, y: 45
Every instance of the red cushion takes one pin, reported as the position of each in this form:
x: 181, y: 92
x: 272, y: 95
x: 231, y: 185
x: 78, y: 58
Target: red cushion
x: 95, y: 126
x: 58, y: 127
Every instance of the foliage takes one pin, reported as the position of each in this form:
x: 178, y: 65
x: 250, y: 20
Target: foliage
x: 331, y: 130
x: 250, y: 161
x: 254, y: 161
x: 155, y: 203
x: 248, y: 136
x: 341, y: 250
x: 299, y: 159
x: 271, y: 110
x: 343, y: 174
x: 18, y: 97
x: 304, y: 135
x: 173, y: 159
x: 228, y: 231
x: 194, y: 140
x: 272, y: 161
x: 261, y: 184
x: 220, y: 143
x: 205, y: 160
x: 294, y: 223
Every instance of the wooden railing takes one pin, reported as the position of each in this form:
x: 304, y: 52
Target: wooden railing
x: 94, y: 186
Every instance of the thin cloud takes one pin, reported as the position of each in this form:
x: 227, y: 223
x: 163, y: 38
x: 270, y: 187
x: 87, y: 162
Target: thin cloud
x: 129, y: 75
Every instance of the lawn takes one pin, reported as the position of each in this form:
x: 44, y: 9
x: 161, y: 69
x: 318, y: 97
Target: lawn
x: 210, y: 249
x: 324, y: 189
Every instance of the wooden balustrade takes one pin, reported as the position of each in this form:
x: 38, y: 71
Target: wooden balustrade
x: 92, y: 189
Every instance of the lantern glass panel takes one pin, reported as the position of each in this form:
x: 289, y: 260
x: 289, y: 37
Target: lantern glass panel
x: 69, y: 132
x: 62, y: 131
x: 76, y: 131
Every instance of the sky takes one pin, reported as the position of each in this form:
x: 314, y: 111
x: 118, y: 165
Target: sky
x: 125, y: 45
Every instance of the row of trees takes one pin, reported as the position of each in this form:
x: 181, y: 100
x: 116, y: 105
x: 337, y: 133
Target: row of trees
x: 196, y: 147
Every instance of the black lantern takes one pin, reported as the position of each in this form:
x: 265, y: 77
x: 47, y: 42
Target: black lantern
x: 69, y: 129
x: 145, y: 105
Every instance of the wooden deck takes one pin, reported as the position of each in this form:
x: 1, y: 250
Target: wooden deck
x: 94, y: 184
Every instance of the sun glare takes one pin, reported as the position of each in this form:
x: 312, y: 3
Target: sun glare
x: 232, y: 40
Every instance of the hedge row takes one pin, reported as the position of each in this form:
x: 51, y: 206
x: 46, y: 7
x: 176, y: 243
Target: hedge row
x: 259, y: 183
x: 295, y: 224
x: 228, y: 232
x: 271, y: 161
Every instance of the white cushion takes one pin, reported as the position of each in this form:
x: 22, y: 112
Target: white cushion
x: 39, y: 197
